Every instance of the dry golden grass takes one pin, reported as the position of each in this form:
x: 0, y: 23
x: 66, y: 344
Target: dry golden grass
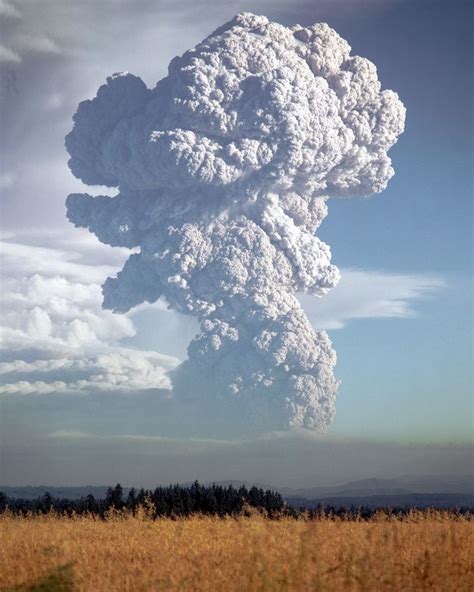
x: 51, y: 554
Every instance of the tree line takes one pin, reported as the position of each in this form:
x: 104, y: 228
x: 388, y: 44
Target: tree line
x: 181, y: 501
x: 173, y: 500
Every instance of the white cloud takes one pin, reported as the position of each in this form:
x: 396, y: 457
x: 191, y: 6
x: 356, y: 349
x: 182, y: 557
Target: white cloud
x: 54, y: 101
x: 55, y: 335
x: 180, y: 443
x: 8, y: 9
x: 36, y: 44
x: 7, y: 180
x: 62, y: 262
x: 8, y: 55
x: 368, y: 294
x: 120, y: 369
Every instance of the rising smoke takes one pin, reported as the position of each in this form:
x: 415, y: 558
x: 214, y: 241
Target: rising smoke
x: 224, y: 170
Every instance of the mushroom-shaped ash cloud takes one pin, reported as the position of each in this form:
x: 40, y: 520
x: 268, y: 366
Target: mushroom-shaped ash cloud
x: 224, y: 170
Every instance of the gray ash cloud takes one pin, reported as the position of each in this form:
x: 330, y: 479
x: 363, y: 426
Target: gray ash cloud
x: 223, y: 170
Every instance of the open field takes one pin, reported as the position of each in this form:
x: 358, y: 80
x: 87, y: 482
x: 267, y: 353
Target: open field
x: 49, y: 553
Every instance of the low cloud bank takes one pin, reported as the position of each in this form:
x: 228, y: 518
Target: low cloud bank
x: 57, y: 339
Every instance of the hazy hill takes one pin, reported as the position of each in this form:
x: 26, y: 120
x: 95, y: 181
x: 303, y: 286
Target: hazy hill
x: 32, y: 492
x: 410, y: 500
x: 425, y: 484
x: 422, y: 491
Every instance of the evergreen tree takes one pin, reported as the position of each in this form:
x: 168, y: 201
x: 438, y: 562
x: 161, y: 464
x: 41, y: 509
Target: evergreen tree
x: 3, y: 501
x: 47, y: 502
x: 131, y: 503
x: 117, y: 496
x: 141, y: 497
x: 91, y: 504
x: 109, y: 497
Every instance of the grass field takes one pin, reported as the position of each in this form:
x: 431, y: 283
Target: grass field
x: 49, y: 553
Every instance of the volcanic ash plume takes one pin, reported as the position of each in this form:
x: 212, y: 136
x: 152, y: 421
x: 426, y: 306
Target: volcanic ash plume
x: 224, y: 170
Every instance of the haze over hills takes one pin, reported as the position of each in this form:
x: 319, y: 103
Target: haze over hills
x: 404, y: 490
x: 429, y: 491
x: 397, y: 486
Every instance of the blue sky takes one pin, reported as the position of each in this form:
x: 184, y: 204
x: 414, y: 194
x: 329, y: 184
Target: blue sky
x: 422, y: 222
x: 401, y: 321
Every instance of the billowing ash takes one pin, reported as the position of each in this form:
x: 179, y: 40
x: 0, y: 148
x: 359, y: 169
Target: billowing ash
x: 224, y: 169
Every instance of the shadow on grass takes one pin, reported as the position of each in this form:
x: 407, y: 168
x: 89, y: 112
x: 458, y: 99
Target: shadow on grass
x: 60, y: 580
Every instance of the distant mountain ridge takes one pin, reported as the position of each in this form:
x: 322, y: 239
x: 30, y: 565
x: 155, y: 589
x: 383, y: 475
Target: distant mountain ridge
x: 411, y: 500
x: 34, y: 491
x: 427, y: 484
x: 400, y: 488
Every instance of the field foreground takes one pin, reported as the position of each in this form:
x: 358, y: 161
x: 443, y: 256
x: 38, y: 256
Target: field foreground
x: 51, y: 553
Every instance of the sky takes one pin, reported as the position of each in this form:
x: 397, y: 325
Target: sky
x: 81, y: 395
